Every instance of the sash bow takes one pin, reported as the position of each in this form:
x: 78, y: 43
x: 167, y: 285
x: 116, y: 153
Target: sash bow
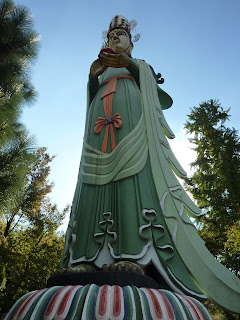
x: 115, y: 120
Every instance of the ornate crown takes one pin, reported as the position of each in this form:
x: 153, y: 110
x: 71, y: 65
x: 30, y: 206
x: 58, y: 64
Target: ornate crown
x: 118, y: 22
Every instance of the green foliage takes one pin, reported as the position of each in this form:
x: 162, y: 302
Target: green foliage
x: 32, y: 205
x: 219, y: 314
x: 15, y: 157
x: 215, y: 181
x: 18, y: 47
x: 30, y: 247
x: 29, y: 259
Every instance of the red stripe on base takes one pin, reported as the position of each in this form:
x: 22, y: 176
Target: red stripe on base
x: 116, y: 301
x: 103, y: 300
x: 61, y: 308
x: 156, y: 305
x: 197, y: 311
x: 53, y: 301
x: 25, y: 304
x: 171, y: 315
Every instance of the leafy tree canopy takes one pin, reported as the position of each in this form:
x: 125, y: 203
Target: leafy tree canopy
x: 215, y: 182
x: 30, y: 245
x: 18, y: 48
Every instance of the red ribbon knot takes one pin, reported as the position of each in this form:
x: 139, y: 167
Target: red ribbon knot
x: 115, y: 120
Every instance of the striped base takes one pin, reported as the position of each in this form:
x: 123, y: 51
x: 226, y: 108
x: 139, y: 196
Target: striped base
x: 93, y: 302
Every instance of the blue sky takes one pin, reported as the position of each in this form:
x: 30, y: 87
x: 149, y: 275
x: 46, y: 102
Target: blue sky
x: 194, y: 44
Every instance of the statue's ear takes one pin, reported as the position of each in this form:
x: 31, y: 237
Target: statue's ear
x: 130, y: 49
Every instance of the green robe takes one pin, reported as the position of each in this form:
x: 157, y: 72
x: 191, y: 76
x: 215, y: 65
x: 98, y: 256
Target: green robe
x: 128, y: 203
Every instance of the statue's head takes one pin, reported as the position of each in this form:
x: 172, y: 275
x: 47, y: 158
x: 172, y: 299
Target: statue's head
x: 120, y: 41
x: 119, y: 36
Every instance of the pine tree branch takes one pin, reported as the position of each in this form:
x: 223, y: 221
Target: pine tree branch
x: 20, y: 217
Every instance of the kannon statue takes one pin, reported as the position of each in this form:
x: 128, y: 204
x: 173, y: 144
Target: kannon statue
x: 129, y: 210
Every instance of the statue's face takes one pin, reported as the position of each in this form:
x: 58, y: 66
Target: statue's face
x: 119, y: 41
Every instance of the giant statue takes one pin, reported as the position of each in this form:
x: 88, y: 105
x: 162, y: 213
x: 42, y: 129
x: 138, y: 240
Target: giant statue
x: 129, y: 208
x: 129, y: 224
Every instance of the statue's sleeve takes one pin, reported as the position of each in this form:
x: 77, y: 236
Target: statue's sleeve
x: 165, y: 100
x: 93, y: 85
x: 133, y: 67
x: 134, y: 70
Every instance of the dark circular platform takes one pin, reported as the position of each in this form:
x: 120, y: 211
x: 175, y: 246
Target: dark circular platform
x: 121, y: 278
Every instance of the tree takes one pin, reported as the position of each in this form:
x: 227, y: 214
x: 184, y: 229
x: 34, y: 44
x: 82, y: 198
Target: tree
x: 15, y: 158
x: 29, y: 198
x: 30, y: 246
x: 18, y: 48
x: 29, y: 259
x: 216, y: 180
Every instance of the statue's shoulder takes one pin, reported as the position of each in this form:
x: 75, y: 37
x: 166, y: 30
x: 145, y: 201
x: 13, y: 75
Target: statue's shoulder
x: 139, y: 60
x: 157, y: 76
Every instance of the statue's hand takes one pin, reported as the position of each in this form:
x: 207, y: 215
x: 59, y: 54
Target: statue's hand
x: 118, y: 60
x: 97, y: 68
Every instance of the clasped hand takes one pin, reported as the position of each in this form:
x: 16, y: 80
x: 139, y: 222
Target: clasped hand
x: 118, y: 60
